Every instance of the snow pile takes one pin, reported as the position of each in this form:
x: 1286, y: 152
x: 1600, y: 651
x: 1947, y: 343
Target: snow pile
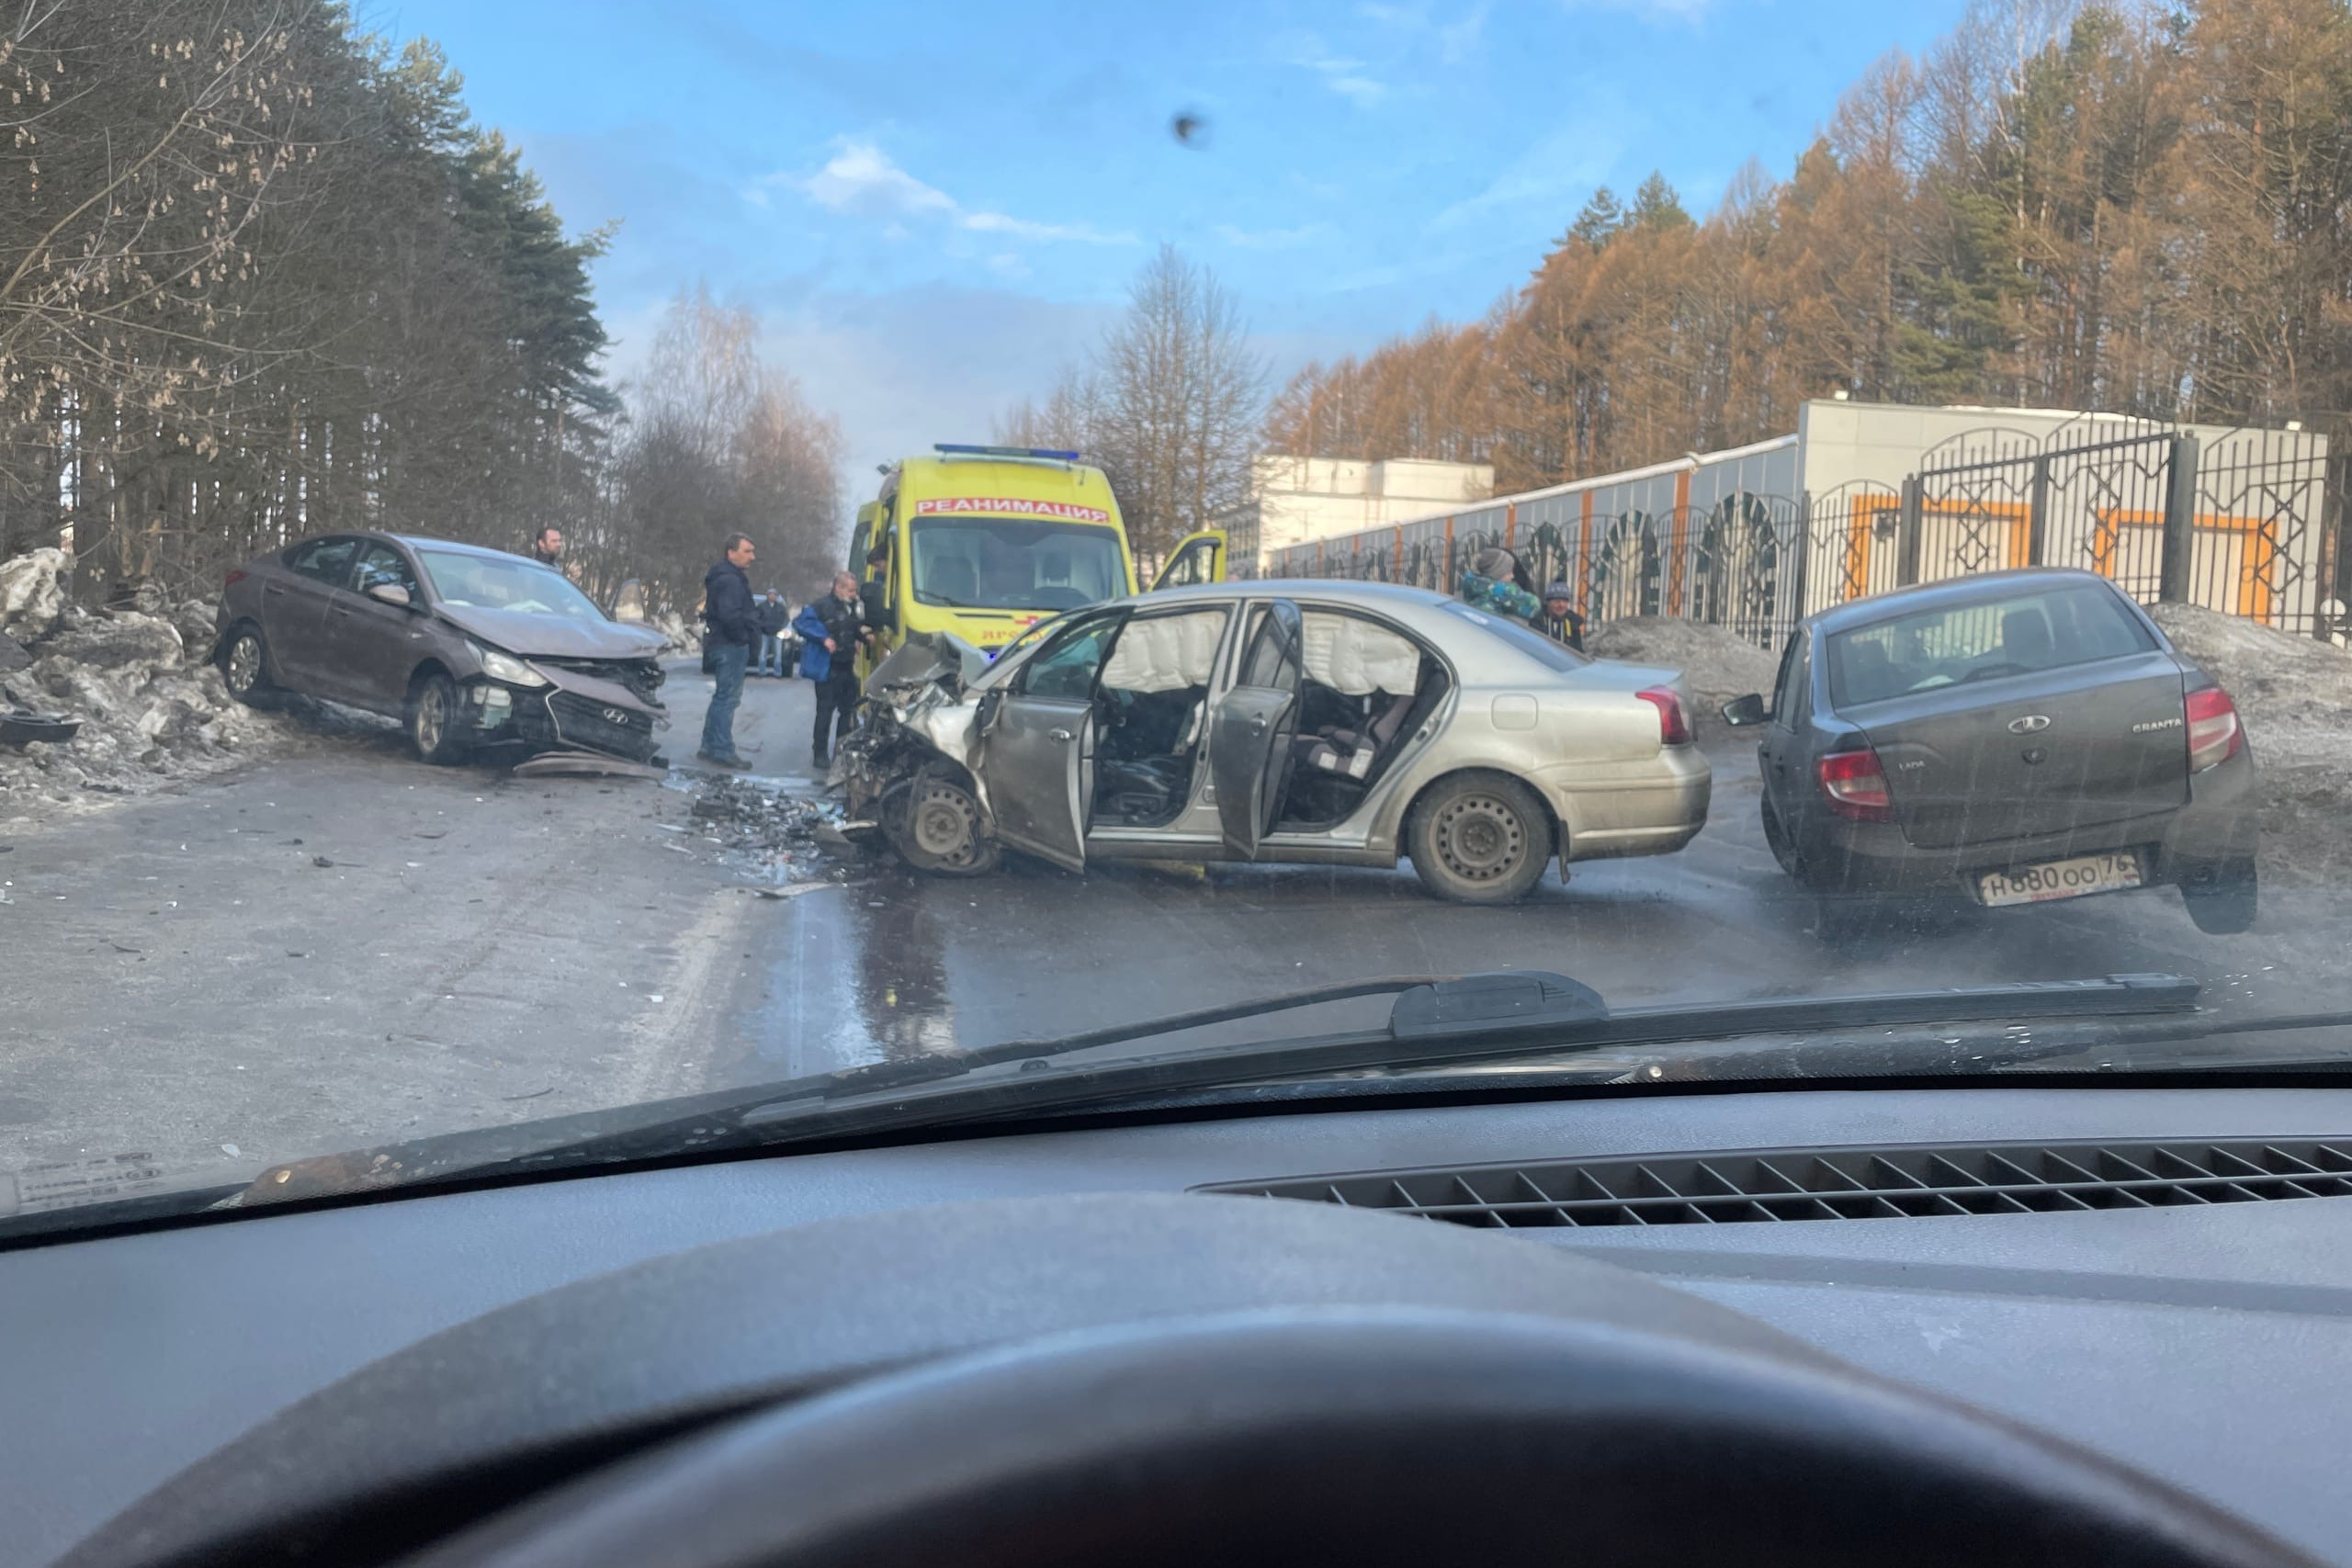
x: 151, y: 710
x: 1717, y: 665
x: 32, y: 593
x: 2295, y: 696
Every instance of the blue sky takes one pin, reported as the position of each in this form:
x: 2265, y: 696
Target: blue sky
x: 934, y: 207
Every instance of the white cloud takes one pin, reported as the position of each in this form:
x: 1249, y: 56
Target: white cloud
x: 1347, y: 77
x: 861, y: 180
x: 1023, y: 229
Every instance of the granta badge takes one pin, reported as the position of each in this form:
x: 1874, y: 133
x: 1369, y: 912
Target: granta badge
x: 2152, y: 726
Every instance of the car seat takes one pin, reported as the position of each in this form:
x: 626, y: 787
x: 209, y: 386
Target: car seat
x: 1869, y: 672
x: 2025, y: 640
x: 955, y: 578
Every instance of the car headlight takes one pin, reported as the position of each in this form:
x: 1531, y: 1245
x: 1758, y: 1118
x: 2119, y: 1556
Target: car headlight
x: 507, y: 668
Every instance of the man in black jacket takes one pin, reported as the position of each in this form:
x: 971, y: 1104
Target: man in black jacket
x: 843, y: 615
x: 1558, y: 619
x: 774, y: 618
x: 734, y: 626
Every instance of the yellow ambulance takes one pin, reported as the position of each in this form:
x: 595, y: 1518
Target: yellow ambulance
x: 987, y: 541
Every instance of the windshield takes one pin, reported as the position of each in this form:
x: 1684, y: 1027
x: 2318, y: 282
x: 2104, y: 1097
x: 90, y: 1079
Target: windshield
x: 1007, y: 564
x: 497, y: 582
x: 2015, y: 635
x: 549, y: 571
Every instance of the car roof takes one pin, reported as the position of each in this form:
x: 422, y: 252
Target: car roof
x: 1394, y: 596
x: 1956, y: 593
x: 415, y: 542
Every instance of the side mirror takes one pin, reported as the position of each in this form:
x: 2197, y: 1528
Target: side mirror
x: 390, y: 593
x: 1740, y: 712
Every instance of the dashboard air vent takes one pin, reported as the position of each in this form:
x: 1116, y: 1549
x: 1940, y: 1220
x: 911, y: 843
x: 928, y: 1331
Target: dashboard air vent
x: 1860, y: 1183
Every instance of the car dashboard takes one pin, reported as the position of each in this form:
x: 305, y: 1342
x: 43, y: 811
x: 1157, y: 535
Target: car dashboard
x: 2189, y: 1329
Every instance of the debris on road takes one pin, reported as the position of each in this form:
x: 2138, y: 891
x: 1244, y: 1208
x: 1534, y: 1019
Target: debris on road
x: 1717, y: 664
x: 768, y: 831
x: 2294, y: 694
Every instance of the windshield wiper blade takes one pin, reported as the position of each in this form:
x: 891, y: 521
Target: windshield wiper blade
x: 1436, y: 1020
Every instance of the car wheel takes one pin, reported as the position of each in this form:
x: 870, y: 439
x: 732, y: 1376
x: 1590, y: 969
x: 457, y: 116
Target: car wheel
x: 1480, y: 839
x: 938, y: 826
x: 2223, y: 899
x: 433, y: 713
x: 1776, y: 839
x: 245, y: 667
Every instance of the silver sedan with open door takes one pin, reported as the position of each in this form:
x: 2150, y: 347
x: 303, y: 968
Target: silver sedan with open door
x: 1333, y: 723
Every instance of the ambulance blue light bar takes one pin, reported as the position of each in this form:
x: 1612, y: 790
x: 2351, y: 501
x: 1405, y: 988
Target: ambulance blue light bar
x: 953, y: 449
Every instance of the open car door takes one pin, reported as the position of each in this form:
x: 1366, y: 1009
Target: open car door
x: 1198, y: 558
x: 1038, y: 745
x: 1250, y: 736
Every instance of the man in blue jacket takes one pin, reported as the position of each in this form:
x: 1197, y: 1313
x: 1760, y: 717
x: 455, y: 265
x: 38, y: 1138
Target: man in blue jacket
x: 830, y: 631
x: 734, y: 626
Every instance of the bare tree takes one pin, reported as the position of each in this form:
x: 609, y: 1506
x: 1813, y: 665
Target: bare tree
x: 721, y: 441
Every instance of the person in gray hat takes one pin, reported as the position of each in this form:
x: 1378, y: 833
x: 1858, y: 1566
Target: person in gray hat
x: 1558, y: 619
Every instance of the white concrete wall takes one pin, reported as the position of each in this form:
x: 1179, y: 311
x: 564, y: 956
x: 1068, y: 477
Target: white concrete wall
x: 1301, y: 499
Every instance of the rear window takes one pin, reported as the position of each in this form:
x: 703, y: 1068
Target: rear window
x: 1534, y: 644
x: 2050, y: 628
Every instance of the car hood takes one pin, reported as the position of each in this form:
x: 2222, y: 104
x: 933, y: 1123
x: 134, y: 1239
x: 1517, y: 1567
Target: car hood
x: 558, y: 636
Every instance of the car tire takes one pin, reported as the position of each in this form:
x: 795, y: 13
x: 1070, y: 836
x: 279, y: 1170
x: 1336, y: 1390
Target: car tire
x: 430, y: 720
x: 2222, y: 900
x: 1776, y: 839
x: 245, y: 667
x: 938, y: 826
x: 1479, y: 838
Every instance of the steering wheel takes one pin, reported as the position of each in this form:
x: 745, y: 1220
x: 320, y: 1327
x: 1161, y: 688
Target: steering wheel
x: 1135, y: 1379
x: 1369, y: 1438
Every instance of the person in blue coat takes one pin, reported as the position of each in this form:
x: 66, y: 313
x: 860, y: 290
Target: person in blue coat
x: 830, y: 630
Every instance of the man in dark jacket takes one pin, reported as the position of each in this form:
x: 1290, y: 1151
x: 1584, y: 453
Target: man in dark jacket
x: 775, y: 619
x: 841, y: 616
x: 1558, y: 619
x: 734, y: 626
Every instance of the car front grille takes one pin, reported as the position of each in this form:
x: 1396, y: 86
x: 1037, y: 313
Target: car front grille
x: 583, y: 722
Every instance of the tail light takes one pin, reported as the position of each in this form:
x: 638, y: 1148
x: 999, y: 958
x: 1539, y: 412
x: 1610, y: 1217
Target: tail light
x: 2215, y: 733
x: 236, y: 575
x: 1855, y: 786
x: 1673, y: 724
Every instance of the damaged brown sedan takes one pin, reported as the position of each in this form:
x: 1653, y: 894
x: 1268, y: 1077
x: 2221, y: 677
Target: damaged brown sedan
x: 474, y: 651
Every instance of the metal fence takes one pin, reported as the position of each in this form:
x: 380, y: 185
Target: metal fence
x: 2238, y: 520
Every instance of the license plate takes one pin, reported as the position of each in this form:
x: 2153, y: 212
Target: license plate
x: 2061, y: 879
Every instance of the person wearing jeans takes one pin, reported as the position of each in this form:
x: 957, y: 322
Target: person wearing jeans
x: 734, y: 625
x: 773, y: 619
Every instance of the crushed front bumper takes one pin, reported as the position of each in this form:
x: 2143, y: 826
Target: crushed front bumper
x: 573, y: 712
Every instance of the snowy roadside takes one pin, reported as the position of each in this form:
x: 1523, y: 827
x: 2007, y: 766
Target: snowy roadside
x: 152, y: 712
x: 2295, y: 696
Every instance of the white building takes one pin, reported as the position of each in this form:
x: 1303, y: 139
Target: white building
x: 1294, y: 500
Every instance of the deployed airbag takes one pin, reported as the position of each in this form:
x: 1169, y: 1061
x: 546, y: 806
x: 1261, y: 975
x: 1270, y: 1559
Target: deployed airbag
x: 1165, y: 653
x: 1357, y: 658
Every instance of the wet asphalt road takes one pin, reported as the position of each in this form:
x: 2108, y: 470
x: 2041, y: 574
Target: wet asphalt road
x: 185, y: 982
